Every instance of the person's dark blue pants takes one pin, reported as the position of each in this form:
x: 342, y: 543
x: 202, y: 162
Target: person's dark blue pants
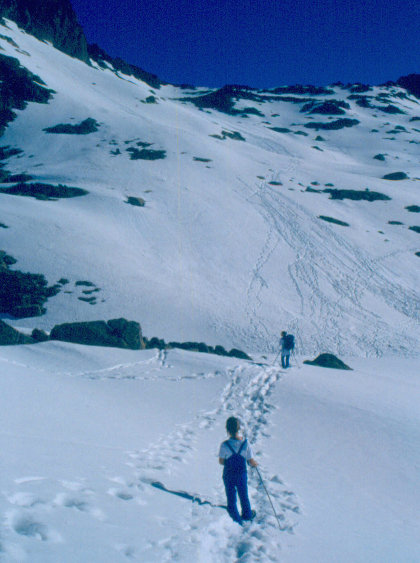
x: 239, y: 484
x: 285, y: 360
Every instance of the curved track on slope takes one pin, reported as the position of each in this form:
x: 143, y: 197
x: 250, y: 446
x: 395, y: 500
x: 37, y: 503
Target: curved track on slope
x: 336, y: 283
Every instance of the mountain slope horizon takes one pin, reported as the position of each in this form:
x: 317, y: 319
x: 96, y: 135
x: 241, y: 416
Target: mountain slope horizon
x: 257, y: 210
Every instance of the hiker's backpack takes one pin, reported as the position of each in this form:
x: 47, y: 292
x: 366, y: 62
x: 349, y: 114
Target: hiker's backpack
x: 289, y: 341
x: 236, y: 463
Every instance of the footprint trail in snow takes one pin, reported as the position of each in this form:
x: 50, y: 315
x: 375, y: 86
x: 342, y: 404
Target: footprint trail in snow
x: 207, y: 532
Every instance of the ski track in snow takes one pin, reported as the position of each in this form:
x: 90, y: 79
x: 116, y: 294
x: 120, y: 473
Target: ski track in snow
x: 207, y: 532
x: 342, y: 270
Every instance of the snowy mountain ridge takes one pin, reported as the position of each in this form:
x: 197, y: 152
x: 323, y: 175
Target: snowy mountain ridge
x: 222, y: 215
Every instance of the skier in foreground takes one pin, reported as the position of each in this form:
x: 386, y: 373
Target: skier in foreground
x: 233, y: 455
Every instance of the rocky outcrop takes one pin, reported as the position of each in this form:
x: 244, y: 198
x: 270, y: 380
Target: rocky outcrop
x: 22, y: 294
x: 99, y: 56
x: 411, y: 83
x: 18, y: 86
x: 136, y: 201
x: 9, y: 336
x: 195, y: 347
x: 328, y: 361
x: 39, y: 335
x: 117, y: 333
x: 52, y: 20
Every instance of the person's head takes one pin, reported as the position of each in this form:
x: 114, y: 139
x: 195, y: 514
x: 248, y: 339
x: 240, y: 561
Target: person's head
x: 232, y: 426
x: 283, y: 333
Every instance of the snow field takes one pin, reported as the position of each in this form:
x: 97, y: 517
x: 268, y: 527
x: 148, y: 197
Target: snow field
x: 243, y: 257
x: 86, y: 432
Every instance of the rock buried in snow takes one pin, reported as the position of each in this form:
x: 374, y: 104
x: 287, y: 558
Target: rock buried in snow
x: 10, y: 336
x: 327, y: 361
x: 117, y: 333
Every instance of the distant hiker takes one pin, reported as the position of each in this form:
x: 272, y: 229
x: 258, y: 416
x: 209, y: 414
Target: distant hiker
x: 287, y: 343
x: 233, y: 455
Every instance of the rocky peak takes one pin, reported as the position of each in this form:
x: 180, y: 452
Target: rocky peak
x: 52, y: 20
x: 411, y: 83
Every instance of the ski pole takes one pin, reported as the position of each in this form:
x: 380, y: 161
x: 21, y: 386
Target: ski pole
x: 276, y: 358
x: 269, y: 498
x: 296, y: 360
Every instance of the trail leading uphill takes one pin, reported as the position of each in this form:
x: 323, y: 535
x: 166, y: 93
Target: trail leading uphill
x: 206, y: 533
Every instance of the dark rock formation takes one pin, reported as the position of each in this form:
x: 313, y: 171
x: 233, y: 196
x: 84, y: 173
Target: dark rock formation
x: 411, y: 83
x: 136, y: 201
x: 224, y: 99
x: 299, y: 89
x: 235, y: 135
x: 198, y: 347
x: 101, y: 58
x: 43, y: 191
x: 333, y: 125
x: 332, y: 220
x: 10, y: 336
x: 356, y: 195
x: 22, y: 294
x: 359, y: 88
x: 328, y: 361
x: 51, y: 20
x: 395, y: 176
x: 40, y: 335
x: 332, y: 107
x: 235, y: 353
x: 18, y: 86
x: 146, y: 154
x: 117, y: 333
x: 87, y: 126
x: 281, y: 129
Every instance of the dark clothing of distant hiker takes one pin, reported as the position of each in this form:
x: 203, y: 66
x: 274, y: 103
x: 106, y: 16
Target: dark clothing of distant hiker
x: 285, y: 351
x: 234, y: 454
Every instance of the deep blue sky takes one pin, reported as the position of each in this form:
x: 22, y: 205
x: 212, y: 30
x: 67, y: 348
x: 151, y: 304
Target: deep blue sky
x: 260, y: 43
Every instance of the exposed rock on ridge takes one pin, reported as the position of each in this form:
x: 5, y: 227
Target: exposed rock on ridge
x: 118, y: 333
x: 104, y: 60
x: 52, y: 20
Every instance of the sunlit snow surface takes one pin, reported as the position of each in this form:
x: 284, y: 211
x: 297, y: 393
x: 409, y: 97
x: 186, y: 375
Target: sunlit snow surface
x: 84, y: 432
x: 219, y: 253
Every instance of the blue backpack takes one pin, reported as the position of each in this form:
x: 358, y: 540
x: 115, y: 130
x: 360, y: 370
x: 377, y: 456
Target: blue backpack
x: 289, y: 342
x: 236, y: 463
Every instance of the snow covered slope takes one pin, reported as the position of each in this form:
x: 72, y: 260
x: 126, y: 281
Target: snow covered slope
x: 229, y: 247
x: 105, y: 450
